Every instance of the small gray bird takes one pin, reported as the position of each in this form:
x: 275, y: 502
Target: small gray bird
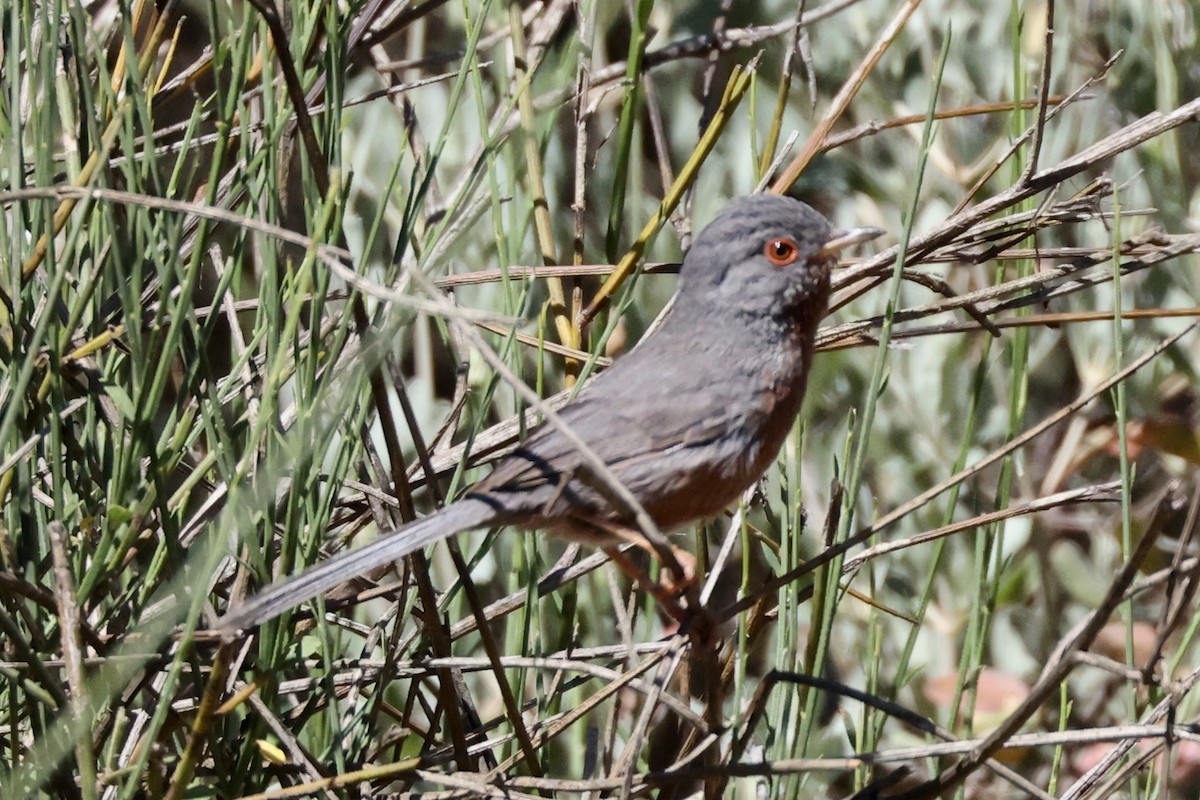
x: 686, y: 421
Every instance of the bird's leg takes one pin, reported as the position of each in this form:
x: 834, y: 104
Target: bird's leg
x: 692, y: 619
x: 680, y: 563
x: 667, y: 594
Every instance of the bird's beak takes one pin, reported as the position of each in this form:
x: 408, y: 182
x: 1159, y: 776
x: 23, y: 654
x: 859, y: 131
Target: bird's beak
x: 844, y: 238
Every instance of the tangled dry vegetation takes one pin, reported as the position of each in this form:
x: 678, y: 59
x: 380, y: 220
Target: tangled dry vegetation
x: 247, y: 294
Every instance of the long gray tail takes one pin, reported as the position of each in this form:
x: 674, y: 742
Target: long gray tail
x: 274, y: 600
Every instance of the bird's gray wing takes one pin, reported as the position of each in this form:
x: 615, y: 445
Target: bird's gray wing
x: 645, y: 435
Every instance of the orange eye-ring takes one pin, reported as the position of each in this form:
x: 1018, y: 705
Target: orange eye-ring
x: 782, y: 251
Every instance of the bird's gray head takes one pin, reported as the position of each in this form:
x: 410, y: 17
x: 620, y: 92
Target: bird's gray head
x: 765, y: 254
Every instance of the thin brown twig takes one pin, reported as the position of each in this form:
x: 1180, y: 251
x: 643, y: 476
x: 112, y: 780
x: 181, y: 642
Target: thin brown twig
x: 1043, y: 102
x: 1102, y: 493
x: 1138, y: 132
x: 841, y: 100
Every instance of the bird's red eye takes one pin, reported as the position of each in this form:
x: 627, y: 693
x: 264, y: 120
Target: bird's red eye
x: 782, y: 252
